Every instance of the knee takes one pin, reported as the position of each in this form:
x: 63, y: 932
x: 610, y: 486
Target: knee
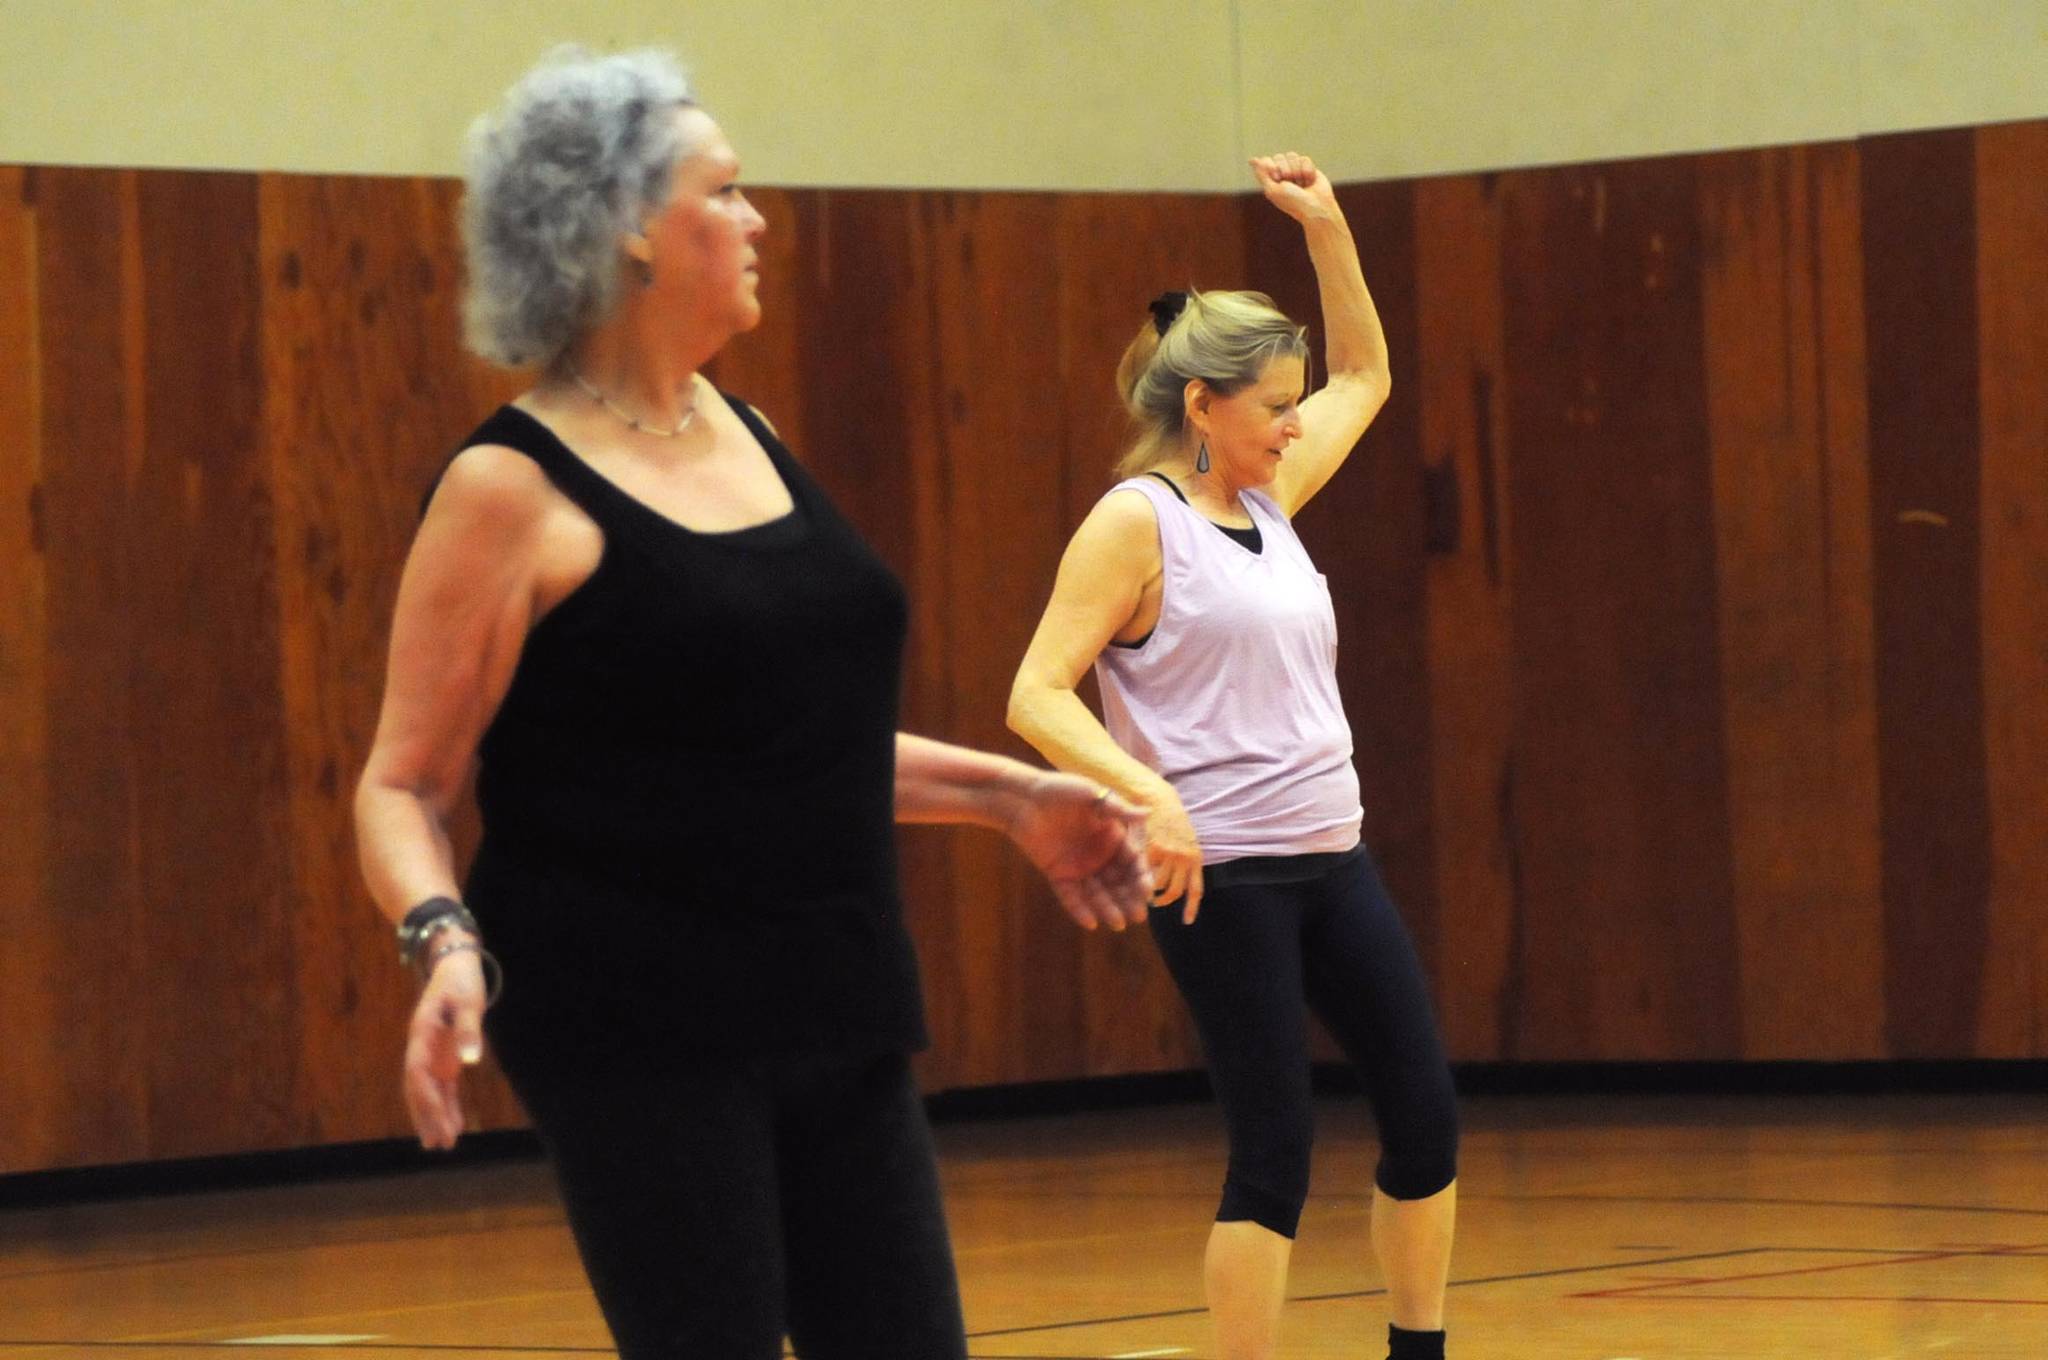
x: 1268, y: 1180
x: 1421, y: 1163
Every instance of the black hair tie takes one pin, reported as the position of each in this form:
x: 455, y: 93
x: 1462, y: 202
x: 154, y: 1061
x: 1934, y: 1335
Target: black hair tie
x: 1165, y: 308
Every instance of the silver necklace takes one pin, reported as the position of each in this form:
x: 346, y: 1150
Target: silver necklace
x: 627, y: 416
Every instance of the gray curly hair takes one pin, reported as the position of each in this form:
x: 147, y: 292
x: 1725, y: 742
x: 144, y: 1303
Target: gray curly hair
x: 580, y: 153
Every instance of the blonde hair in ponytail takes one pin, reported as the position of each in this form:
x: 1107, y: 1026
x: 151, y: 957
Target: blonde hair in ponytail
x: 1226, y: 339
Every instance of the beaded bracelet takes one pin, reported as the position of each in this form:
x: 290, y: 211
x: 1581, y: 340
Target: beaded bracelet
x: 494, y: 972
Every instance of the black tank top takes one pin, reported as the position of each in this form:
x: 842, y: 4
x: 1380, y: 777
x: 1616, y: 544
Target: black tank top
x: 688, y: 791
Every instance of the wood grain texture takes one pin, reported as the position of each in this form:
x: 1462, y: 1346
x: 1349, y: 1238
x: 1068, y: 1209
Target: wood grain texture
x: 1919, y: 230
x: 29, y: 981
x: 206, y: 716
x: 2012, y: 312
x: 94, y: 1097
x: 1620, y: 784
x: 1458, y: 384
x: 1792, y: 552
x: 1002, y: 522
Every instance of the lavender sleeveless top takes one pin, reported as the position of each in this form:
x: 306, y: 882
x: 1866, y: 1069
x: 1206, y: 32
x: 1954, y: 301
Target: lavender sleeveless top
x: 1233, y: 696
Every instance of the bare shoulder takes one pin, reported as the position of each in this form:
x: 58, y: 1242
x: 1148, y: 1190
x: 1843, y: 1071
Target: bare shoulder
x: 492, y: 487
x: 1123, y: 520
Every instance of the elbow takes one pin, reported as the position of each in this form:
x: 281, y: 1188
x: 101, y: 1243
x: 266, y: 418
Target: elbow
x: 1374, y: 382
x: 1022, y: 714
x: 1016, y: 715
x: 382, y: 784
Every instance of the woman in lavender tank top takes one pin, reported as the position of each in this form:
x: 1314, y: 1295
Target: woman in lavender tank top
x: 1214, y: 641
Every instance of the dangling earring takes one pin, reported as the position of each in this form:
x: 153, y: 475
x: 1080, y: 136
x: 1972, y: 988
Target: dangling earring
x: 1202, y: 458
x: 643, y: 272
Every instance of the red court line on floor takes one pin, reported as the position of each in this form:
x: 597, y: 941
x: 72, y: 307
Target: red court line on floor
x: 1815, y: 1298
x: 1986, y: 1250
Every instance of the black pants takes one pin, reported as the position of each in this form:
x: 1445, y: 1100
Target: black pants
x: 717, y: 1210
x: 1256, y: 958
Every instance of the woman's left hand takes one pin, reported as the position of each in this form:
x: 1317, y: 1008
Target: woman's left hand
x: 1291, y: 183
x: 1090, y: 844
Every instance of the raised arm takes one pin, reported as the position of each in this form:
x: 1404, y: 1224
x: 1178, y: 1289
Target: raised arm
x: 1355, y: 350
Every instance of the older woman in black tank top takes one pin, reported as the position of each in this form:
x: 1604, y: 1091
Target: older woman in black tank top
x: 676, y: 668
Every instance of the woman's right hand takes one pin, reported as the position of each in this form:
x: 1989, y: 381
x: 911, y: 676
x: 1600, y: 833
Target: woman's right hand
x: 1174, y: 854
x: 447, y: 1036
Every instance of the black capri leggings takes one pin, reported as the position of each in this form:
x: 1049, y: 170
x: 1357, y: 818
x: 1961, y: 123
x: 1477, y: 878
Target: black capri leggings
x: 717, y: 1210
x: 1256, y: 952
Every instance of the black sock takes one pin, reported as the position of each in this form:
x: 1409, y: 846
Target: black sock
x: 1407, y: 1345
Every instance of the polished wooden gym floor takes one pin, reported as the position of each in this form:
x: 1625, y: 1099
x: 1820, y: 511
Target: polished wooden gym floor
x: 1665, y: 1228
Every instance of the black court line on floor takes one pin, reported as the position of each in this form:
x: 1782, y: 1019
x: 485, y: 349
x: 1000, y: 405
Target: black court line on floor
x: 1635, y: 1263
x: 435, y: 1348
x: 1750, y: 1200
x: 542, y: 1218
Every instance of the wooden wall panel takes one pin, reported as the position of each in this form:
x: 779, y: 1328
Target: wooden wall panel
x: 1919, y: 228
x: 1003, y: 523
x: 1620, y: 784
x: 28, y: 980
x: 93, y: 1100
x: 1691, y: 584
x: 1459, y: 385
x: 1791, y: 526
x: 2012, y: 310
x: 207, y: 721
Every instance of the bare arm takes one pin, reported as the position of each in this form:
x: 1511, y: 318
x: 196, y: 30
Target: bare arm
x: 1085, y: 840
x: 1355, y: 345
x: 1097, y: 592
x: 938, y: 782
x: 464, y: 605
x: 1097, y: 595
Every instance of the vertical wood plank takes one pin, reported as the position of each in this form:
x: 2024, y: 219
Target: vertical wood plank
x: 1919, y: 233
x: 2012, y: 299
x: 1460, y: 388
x: 1793, y: 560
x: 207, y: 720
x: 996, y: 291
x: 95, y: 1050
x: 28, y: 979
x: 1628, y: 946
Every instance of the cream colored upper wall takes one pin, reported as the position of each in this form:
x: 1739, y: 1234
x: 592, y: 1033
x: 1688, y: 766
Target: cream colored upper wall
x: 1061, y: 94
x: 1071, y: 94
x: 1388, y: 88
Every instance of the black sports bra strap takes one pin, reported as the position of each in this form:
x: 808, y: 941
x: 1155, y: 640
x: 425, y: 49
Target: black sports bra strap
x: 1171, y: 486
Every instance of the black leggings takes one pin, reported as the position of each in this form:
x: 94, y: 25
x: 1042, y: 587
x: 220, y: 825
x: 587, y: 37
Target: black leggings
x: 717, y: 1210
x: 1255, y: 954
